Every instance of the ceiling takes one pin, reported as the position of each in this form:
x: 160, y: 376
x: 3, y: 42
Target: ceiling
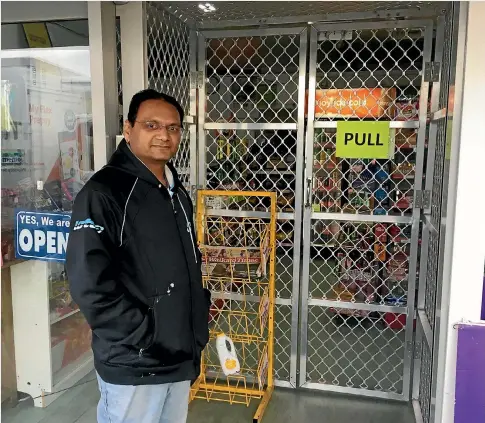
x: 254, y: 10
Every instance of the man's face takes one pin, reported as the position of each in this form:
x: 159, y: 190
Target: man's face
x: 155, y: 136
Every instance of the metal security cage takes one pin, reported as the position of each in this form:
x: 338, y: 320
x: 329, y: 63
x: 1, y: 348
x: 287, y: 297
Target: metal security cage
x: 358, y: 241
x: 434, y: 203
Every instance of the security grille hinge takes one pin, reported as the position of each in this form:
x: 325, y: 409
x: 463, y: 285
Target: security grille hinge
x: 418, y: 348
x: 422, y: 199
x: 432, y: 71
x: 196, y: 80
x: 335, y: 36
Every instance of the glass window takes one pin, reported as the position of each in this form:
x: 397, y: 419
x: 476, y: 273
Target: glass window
x: 46, y: 124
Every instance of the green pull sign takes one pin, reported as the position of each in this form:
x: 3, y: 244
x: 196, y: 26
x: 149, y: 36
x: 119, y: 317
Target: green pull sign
x: 364, y: 140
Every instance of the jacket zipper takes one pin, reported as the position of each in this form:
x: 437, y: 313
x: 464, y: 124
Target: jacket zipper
x: 189, y: 229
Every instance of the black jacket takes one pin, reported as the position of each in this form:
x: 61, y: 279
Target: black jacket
x: 135, y: 271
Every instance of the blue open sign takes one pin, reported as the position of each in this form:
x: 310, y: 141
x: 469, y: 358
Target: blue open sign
x: 41, y: 236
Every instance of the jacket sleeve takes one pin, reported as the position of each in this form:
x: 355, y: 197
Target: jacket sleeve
x: 91, y: 265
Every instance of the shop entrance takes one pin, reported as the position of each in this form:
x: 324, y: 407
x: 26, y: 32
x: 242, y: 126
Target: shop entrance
x: 357, y: 241
x: 357, y: 217
x: 348, y: 232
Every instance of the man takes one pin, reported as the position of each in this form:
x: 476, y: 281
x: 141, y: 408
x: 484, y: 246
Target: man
x: 135, y: 271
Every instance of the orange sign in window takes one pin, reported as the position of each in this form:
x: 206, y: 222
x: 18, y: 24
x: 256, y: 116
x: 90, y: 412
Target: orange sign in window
x: 358, y: 103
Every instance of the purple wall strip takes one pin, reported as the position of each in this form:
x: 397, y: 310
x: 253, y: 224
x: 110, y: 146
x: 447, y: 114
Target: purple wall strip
x: 470, y: 374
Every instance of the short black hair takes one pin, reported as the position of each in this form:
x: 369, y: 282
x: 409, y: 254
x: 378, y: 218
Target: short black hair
x: 150, y: 94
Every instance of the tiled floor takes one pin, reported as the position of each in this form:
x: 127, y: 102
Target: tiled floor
x: 79, y: 406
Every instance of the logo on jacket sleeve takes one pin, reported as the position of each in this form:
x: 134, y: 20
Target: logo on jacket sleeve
x: 87, y: 224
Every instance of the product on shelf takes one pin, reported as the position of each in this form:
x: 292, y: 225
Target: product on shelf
x: 327, y: 175
x: 356, y: 236
x: 399, y: 234
x: 285, y: 201
x: 407, y: 110
x: 323, y: 152
x: 397, y: 267
x: 381, y: 242
x: 326, y: 201
x: 357, y: 283
x: 325, y: 235
x: 359, y: 103
x: 395, y: 321
x: 402, y: 170
x: 397, y: 272
x: 405, y: 138
x: 404, y: 200
x: 284, y: 237
x: 359, y: 200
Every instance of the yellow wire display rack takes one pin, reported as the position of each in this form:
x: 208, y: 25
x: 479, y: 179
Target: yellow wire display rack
x: 238, y: 267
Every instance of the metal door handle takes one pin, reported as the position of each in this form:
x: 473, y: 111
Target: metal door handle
x: 308, y: 192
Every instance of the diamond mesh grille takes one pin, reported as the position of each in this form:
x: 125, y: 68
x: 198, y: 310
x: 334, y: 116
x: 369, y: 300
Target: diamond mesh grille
x: 350, y: 352
x: 434, y: 261
x: 425, y: 382
x: 284, y: 258
x: 358, y: 268
x: 439, y: 159
x: 282, y: 342
x: 253, y: 161
x: 252, y: 79
x: 389, y: 59
x: 431, y: 278
x: 169, y: 69
x: 359, y: 262
x: 388, y: 63
x: 384, y: 187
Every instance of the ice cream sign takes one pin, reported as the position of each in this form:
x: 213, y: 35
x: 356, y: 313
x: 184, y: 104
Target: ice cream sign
x: 41, y: 236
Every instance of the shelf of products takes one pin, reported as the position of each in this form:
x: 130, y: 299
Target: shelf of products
x: 370, y: 264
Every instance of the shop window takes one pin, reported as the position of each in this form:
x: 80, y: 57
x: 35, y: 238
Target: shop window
x: 46, y: 121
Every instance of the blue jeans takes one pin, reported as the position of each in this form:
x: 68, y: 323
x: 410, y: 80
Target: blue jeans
x: 166, y: 403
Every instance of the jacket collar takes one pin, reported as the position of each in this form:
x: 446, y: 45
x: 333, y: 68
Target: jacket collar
x: 124, y: 159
